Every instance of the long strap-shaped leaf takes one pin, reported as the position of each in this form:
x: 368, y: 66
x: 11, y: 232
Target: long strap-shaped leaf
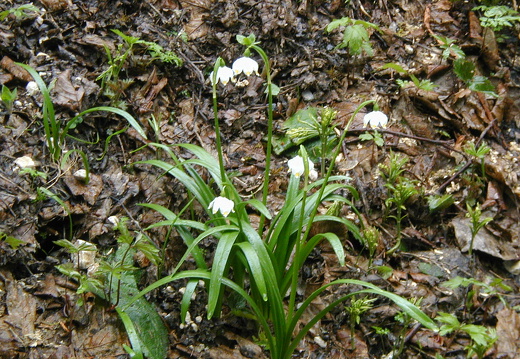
x: 218, y: 270
x: 409, y: 308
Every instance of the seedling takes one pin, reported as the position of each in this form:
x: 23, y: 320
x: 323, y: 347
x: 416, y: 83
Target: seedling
x: 111, y: 84
x: 8, y: 98
x: 55, y: 131
x: 370, y: 239
x: 480, y: 153
x: 356, y: 37
x: 20, y: 12
x: 482, y: 338
x: 489, y: 289
x: 425, y: 85
x: 477, y: 223
x: 356, y: 308
x: 497, y: 17
x: 400, y: 190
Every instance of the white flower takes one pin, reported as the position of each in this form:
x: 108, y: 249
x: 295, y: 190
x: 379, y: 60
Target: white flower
x: 224, y: 74
x: 25, y: 162
x: 297, y: 168
x: 246, y: 65
x: 222, y: 204
x: 375, y: 119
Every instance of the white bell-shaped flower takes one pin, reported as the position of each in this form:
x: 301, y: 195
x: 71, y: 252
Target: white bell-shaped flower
x: 297, y: 167
x: 222, y: 204
x: 246, y: 65
x: 224, y: 75
x: 375, y: 119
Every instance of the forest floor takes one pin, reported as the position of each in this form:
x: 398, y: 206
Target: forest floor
x: 67, y: 43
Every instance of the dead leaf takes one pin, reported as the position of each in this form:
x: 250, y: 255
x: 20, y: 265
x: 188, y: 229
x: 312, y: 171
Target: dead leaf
x: 484, y: 241
x: 89, y: 191
x: 55, y: 5
x: 508, y: 333
x: 66, y: 94
x: 198, y: 10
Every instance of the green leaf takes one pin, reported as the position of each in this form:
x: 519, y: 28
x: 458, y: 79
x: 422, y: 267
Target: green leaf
x: 255, y: 267
x: 258, y: 205
x: 135, y: 352
x: 219, y: 269
x: 150, y: 331
x: 13, y: 242
x: 355, y: 38
x: 344, y: 21
x: 478, y: 333
x: 394, y: 66
x: 186, y: 297
x: 366, y: 137
x: 438, y: 203
x: 482, y: 84
x: 464, y: 69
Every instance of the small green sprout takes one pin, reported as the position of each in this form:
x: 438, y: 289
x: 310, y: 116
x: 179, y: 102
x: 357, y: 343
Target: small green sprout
x: 21, y: 12
x: 356, y: 37
x: 8, y: 98
x: 477, y: 223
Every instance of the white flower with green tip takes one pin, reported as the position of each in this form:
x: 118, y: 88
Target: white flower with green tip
x: 246, y: 65
x: 222, y: 204
x: 224, y: 75
x: 297, y: 168
x: 375, y: 119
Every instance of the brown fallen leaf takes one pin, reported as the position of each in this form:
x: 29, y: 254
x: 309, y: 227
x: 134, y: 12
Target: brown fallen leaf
x: 508, y: 334
x: 66, y: 94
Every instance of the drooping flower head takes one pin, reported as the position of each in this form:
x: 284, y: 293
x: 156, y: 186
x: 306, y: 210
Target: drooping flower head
x: 375, y: 119
x: 222, y: 204
x: 246, y: 65
x: 297, y: 167
x: 224, y: 75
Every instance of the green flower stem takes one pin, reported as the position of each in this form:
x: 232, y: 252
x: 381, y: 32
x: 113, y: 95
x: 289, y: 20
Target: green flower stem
x: 265, y: 186
x: 332, y: 162
x: 296, y: 264
x: 218, y: 64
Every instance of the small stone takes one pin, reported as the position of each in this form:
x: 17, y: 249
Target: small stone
x: 307, y: 95
x: 32, y: 88
x: 25, y: 162
x: 318, y: 340
x: 80, y: 175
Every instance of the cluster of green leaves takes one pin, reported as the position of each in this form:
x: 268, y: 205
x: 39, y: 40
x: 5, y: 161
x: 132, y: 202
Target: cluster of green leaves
x: 482, y: 338
x: 262, y: 265
x: 464, y: 68
x: 115, y: 281
x: 497, y: 17
x: 20, y: 12
x: 111, y: 84
x: 7, y: 97
x: 312, y: 126
x: 356, y: 37
x: 493, y: 287
x: 424, y: 84
x: 400, y: 190
x: 57, y: 131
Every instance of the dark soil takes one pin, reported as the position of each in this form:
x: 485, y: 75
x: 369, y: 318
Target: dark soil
x: 67, y: 41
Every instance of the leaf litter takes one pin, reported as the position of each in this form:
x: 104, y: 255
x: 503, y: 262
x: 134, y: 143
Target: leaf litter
x: 428, y: 126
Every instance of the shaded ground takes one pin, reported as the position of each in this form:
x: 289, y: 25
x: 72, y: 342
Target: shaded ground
x: 65, y: 42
